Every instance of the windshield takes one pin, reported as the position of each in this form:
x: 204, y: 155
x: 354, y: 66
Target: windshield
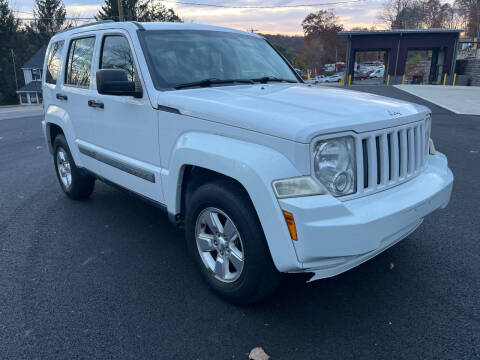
x: 182, y: 57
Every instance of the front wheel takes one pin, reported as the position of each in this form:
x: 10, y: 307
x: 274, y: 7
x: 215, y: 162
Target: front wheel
x: 227, y: 242
x: 73, y: 181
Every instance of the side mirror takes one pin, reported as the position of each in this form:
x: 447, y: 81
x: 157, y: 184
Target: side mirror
x: 115, y: 82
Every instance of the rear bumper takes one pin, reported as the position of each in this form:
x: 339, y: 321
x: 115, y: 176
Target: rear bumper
x: 335, y: 236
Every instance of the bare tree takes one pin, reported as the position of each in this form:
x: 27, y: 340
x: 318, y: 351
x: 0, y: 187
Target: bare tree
x: 469, y: 11
x: 393, y: 13
x: 417, y: 14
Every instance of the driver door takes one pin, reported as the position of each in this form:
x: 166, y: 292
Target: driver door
x: 126, y: 127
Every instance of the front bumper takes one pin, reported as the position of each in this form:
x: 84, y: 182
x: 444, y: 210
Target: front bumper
x: 335, y: 236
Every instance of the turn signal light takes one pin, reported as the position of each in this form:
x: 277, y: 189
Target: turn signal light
x: 290, y: 224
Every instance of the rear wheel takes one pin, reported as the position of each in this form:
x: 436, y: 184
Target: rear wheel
x: 76, y: 184
x: 227, y: 242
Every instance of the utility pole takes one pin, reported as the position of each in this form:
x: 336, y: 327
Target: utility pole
x: 478, y: 21
x: 120, y: 10
x: 336, y: 59
x: 252, y: 30
x: 14, y: 69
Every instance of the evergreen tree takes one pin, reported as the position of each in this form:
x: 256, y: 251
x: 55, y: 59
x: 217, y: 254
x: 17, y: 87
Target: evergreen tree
x: 151, y: 10
x: 137, y: 10
x: 50, y: 18
x: 9, y: 27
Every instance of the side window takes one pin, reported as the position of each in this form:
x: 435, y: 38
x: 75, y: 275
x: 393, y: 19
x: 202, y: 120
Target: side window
x: 54, y: 61
x: 79, y: 63
x: 116, y: 54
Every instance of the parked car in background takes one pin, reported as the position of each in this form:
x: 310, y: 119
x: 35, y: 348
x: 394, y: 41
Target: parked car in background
x: 266, y: 174
x: 361, y: 75
x: 317, y: 79
x: 378, y: 73
x: 329, y: 67
x: 333, y: 78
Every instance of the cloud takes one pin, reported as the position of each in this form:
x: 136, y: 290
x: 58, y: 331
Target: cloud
x: 278, y: 20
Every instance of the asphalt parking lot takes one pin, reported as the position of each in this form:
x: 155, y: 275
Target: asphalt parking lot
x: 110, y: 277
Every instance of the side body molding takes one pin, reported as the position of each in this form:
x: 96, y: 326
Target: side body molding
x: 254, y: 166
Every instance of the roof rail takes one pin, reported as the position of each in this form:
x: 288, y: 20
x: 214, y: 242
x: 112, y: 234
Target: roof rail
x: 139, y: 26
x: 88, y: 24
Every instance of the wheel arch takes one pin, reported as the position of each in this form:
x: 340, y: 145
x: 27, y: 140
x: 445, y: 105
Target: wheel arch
x: 251, y: 166
x: 52, y: 131
x: 58, y: 121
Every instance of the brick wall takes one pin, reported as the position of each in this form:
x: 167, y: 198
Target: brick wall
x: 471, y: 68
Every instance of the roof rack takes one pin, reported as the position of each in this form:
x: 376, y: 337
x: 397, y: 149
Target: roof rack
x: 138, y: 25
x: 88, y: 24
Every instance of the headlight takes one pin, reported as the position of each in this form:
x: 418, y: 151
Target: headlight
x: 297, y: 186
x: 334, y: 165
x: 428, y: 130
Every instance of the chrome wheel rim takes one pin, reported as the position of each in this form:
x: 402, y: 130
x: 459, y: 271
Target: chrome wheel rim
x: 63, y: 167
x: 219, y: 244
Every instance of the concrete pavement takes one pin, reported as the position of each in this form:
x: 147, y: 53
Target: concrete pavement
x: 15, y: 112
x: 458, y: 99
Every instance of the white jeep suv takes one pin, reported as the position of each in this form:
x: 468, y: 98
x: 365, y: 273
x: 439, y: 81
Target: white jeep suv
x: 267, y: 175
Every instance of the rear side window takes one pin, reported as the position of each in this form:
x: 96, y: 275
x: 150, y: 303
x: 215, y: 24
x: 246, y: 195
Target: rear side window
x: 79, y: 63
x: 116, y: 54
x: 54, y: 61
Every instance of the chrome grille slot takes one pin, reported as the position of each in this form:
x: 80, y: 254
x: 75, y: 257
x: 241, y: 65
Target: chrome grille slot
x: 389, y: 157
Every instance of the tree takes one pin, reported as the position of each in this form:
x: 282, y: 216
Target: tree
x: 436, y: 14
x: 49, y: 19
x: 9, y: 27
x: 312, y: 55
x: 109, y: 11
x: 468, y: 10
x: 401, y: 14
x: 418, y: 14
x: 321, y: 23
x: 137, y: 10
x: 151, y: 10
x: 391, y: 11
x: 322, y: 44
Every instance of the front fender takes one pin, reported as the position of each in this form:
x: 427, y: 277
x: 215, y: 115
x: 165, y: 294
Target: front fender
x: 254, y: 166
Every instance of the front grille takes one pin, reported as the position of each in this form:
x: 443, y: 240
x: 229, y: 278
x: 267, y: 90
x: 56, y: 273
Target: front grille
x: 388, y: 157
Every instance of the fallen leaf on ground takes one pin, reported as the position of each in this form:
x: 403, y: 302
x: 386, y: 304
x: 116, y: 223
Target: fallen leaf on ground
x: 87, y: 261
x: 258, y: 354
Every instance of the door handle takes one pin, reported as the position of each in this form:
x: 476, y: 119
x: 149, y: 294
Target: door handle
x: 95, y: 104
x: 62, y: 97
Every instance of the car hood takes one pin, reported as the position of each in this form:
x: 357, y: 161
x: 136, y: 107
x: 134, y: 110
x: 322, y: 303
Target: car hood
x: 295, y: 112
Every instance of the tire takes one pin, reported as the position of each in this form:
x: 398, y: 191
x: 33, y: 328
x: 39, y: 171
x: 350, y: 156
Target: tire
x: 73, y: 181
x: 256, y: 276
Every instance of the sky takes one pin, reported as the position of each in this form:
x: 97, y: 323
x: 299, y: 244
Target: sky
x: 285, y: 21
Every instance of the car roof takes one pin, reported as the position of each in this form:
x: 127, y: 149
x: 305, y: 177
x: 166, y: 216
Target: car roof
x: 148, y: 26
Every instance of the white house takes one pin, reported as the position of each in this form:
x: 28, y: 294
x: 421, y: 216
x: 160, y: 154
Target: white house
x: 31, y: 93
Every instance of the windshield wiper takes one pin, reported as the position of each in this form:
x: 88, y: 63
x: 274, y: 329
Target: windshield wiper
x: 212, y: 81
x: 266, y: 79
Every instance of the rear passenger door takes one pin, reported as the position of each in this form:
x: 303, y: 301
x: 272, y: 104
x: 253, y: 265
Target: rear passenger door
x: 126, y: 127
x: 75, y: 92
